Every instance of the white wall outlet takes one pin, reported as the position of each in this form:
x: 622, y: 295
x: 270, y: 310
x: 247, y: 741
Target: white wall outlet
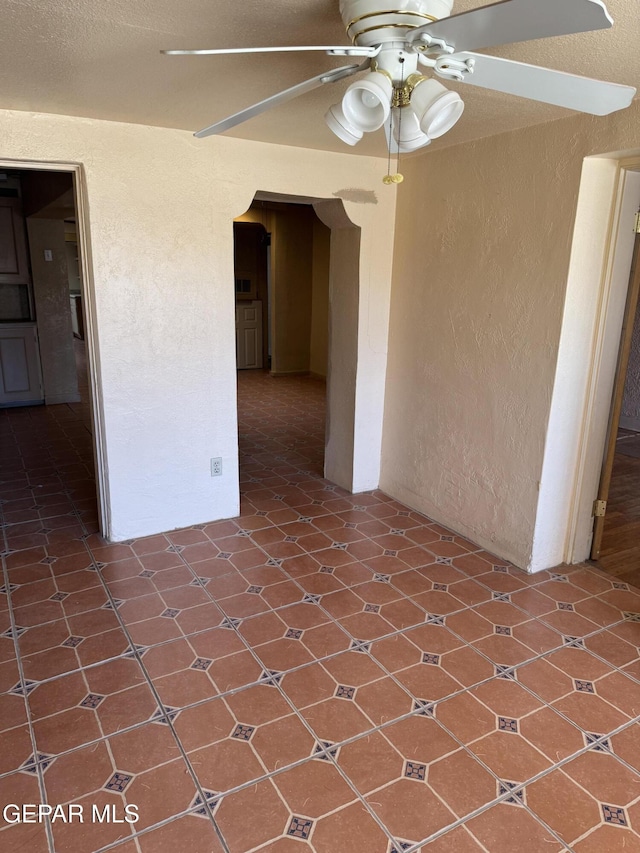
x: 216, y: 466
x: 48, y: 255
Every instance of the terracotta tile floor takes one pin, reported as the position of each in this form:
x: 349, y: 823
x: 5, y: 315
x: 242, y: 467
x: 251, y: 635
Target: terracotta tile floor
x: 327, y: 673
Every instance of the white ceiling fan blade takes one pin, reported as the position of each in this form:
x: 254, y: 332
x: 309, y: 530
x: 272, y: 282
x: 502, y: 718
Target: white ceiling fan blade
x: 544, y: 84
x: 341, y: 50
x: 516, y: 20
x: 300, y: 89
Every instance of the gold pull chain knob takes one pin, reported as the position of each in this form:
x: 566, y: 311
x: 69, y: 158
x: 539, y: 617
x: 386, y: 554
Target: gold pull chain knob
x: 393, y: 179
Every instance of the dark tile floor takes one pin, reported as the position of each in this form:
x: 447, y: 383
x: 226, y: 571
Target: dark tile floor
x: 327, y: 672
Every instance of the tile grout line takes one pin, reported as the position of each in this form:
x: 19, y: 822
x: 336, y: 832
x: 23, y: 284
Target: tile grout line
x: 234, y: 691
x: 283, y: 608
x: 337, y: 654
x: 161, y: 708
x: 545, y: 704
x: 523, y: 785
x: 150, y: 684
x: 299, y: 716
x: 401, y: 631
x: 37, y: 766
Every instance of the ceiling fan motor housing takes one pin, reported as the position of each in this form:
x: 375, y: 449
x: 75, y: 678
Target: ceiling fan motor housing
x: 369, y: 22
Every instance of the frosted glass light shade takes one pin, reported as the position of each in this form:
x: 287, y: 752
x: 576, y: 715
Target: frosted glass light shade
x: 407, y: 133
x: 367, y: 102
x: 341, y: 126
x: 437, y: 108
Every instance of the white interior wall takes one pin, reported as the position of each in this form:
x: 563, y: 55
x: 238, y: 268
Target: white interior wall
x: 161, y: 206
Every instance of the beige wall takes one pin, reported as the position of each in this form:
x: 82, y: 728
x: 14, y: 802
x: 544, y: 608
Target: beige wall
x: 320, y: 299
x: 300, y: 250
x: 291, y: 275
x: 483, y: 241
x: 160, y: 208
x: 345, y: 412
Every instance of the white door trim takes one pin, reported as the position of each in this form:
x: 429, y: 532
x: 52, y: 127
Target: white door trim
x: 91, y: 331
x: 606, y: 347
x: 590, y: 339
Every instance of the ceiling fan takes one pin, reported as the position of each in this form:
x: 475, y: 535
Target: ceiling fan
x: 415, y: 108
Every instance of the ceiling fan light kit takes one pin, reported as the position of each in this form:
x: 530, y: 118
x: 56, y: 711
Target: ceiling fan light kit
x: 406, y: 133
x: 367, y: 103
x: 341, y: 126
x: 437, y: 108
x: 415, y: 108
x: 394, y: 82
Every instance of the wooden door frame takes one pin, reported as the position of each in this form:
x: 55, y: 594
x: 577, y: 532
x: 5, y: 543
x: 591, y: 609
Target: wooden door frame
x: 96, y: 403
x: 626, y: 341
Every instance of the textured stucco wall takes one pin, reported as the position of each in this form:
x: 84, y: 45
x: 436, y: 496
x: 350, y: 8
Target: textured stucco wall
x: 161, y: 206
x: 320, y: 299
x: 483, y: 242
x: 291, y: 288
x: 631, y: 404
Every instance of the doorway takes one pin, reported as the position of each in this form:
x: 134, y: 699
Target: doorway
x: 47, y: 346
x: 281, y: 275
x: 251, y: 262
x: 281, y: 269
x: 616, y: 540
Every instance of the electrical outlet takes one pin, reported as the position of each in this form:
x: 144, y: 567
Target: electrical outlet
x: 216, y: 466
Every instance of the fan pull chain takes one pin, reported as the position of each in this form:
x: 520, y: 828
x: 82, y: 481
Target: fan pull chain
x: 387, y: 177
x: 398, y: 178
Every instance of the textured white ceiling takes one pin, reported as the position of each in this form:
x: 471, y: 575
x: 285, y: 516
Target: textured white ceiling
x: 102, y: 60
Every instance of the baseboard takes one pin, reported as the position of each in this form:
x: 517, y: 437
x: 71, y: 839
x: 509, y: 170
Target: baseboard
x: 277, y: 373
x: 630, y: 423
x: 319, y: 376
x: 57, y: 399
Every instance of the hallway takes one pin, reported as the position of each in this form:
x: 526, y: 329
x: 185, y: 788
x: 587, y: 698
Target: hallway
x: 327, y: 673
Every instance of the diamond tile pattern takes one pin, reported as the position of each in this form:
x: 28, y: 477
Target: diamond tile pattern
x: 507, y: 725
x: 118, y: 782
x: 199, y: 803
x: 598, y: 743
x: 614, y: 815
x: 516, y: 798
x: 300, y: 828
x: 34, y: 761
x: 92, y: 700
x: 325, y: 672
x: 243, y: 732
x: 415, y: 771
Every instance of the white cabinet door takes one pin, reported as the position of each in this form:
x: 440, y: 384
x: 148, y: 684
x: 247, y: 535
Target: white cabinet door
x: 249, y: 335
x: 20, y: 378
